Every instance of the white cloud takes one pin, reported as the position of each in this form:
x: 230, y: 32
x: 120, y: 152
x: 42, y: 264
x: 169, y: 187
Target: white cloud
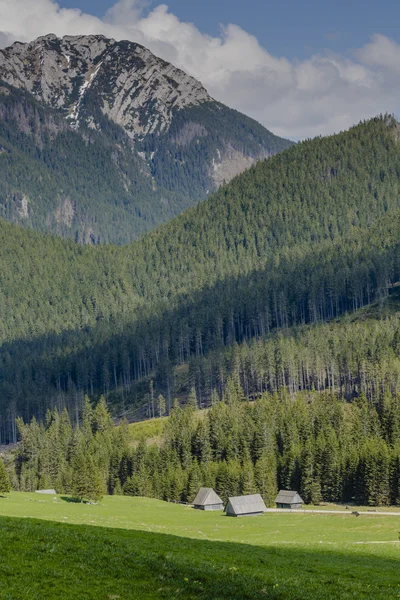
x: 295, y: 99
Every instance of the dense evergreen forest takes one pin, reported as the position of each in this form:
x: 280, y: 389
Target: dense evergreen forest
x: 201, y: 136
x: 327, y: 449
x: 253, y: 282
x: 86, y: 185
x: 95, y: 184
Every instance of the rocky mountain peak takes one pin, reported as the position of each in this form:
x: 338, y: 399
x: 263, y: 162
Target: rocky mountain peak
x: 124, y: 80
x: 158, y: 142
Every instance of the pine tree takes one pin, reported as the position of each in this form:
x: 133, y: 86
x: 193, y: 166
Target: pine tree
x: 87, y: 479
x: 266, y: 477
x: 96, y: 487
x: 194, y: 482
x: 87, y: 415
x: 161, y: 405
x: 395, y: 475
x: 101, y: 420
x: 192, y: 399
x: 201, y: 443
x: 214, y: 399
x: 310, y: 483
x: 376, y: 472
x: 5, y: 486
x: 80, y: 478
x: 247, y: 483
x: 329, y: 465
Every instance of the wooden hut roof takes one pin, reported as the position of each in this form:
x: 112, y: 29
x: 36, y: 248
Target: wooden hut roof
x: 207, y: 496
x: 288, y: 497
x: 242, y: 505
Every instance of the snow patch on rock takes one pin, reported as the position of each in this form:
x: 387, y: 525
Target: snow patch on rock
x: 133, y: 88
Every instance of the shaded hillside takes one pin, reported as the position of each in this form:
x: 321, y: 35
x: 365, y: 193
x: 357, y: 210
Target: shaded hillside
x: 300, y: 238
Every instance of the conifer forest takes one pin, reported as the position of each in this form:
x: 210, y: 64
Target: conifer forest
x: 272, y: 306
x: 328, y: 449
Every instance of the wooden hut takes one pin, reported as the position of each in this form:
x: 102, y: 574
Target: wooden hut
x: 245, y: 506
x: 207, y: 499
x: 288, y: 499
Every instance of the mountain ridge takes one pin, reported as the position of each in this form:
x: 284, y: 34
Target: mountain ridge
x: 60, y: 72
x: 176, y: 143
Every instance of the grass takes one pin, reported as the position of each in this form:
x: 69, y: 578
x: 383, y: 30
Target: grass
x: 128, y: 548
x: 150, y: 431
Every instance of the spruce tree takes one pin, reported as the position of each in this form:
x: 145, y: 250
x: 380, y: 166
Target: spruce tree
x: 192, y: 399
x: 161, y: 405
x: 194, y: 482
x: 266, y: 477
x: 80, y: 478
x: 101, y: 420
x: 87, y: 479
x: 310, y: 483
x: 247, y: 483
x: 5, y: 486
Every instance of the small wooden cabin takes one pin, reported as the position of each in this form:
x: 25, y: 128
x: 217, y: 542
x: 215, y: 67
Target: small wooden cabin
x: 288, y: 499
x: 245, y: 506
x: 207, y: 499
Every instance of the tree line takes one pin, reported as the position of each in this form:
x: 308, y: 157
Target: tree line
x: 327, y: 449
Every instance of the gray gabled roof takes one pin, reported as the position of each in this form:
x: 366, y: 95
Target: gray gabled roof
x: 243, y: 505
x: 288, y: 497
x: 207, y: 496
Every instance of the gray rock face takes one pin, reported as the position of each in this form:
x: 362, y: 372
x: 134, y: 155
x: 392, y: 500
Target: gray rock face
x: 130, y: 85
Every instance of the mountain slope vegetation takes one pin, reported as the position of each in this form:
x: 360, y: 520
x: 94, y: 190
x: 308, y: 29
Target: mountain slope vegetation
x: 300, y: 238
x: 83, y: 185
x: 101, y: 141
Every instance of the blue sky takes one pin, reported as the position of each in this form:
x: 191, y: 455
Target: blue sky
x: 291, y: 28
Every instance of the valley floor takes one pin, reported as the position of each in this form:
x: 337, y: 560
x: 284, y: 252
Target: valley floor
x: 140, y: 548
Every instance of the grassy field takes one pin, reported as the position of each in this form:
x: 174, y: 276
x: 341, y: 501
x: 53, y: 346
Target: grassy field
x: 127, y: 548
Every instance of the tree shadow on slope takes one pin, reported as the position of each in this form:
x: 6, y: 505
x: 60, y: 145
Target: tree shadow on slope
x: 72, y: 500
x: 312, y: 286
x: 42, y: 559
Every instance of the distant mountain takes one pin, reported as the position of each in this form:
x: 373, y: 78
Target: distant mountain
x: 225, y: 288
x: 101, y: 140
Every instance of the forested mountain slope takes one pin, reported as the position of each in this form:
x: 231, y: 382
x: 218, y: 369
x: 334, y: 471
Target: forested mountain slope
x: 298, y: 239
x: 83, y: 185
x: 101, y: 141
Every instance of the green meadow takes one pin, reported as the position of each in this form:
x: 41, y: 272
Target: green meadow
x: 127, y: 548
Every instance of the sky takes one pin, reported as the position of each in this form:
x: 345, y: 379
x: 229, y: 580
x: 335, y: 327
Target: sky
x: 301, y: 67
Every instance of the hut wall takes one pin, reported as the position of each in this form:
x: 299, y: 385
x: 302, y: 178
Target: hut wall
x: 289, y: 506
x: 214, y: 507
